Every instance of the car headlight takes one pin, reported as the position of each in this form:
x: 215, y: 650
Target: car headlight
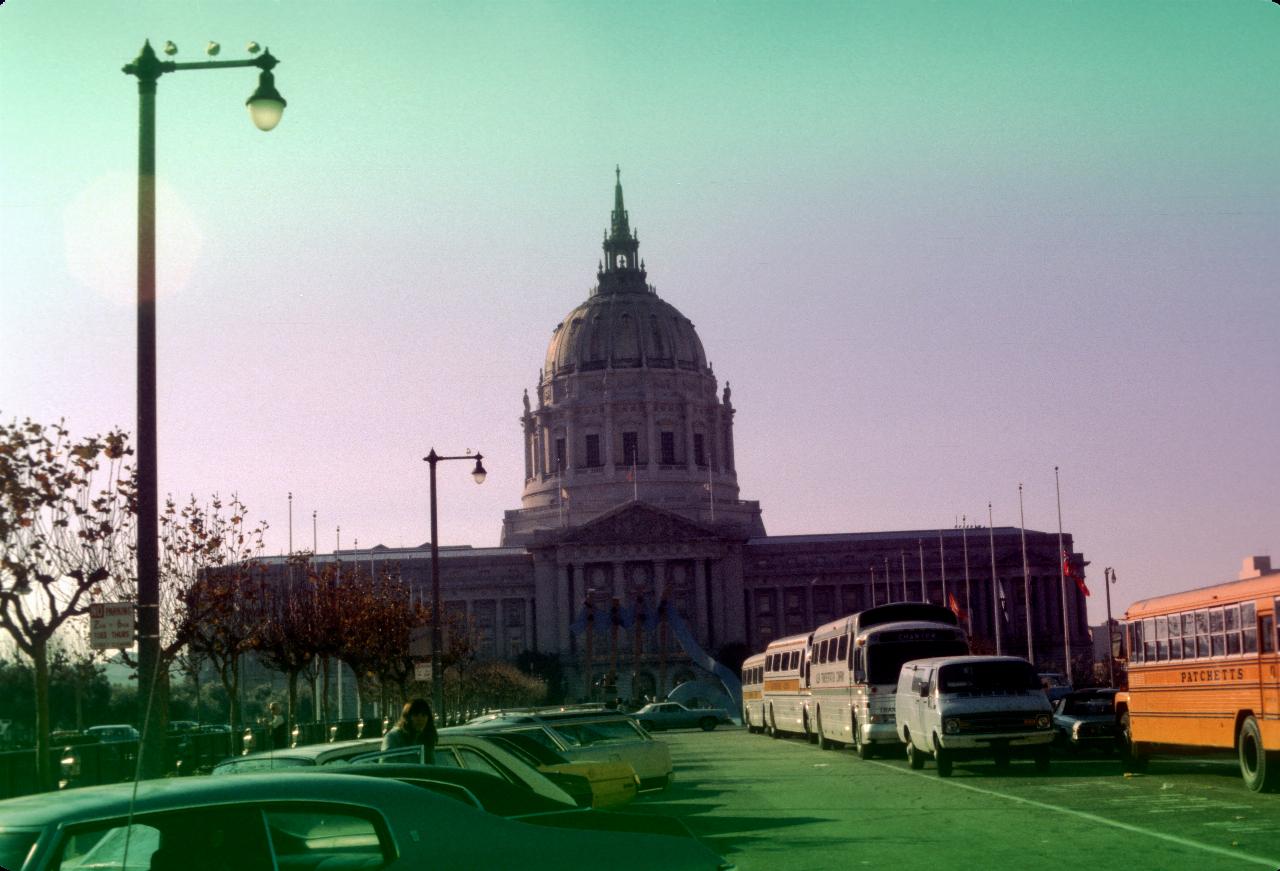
x: 951, y: 726
x: 1077, y: 729
x: 1042, y: 722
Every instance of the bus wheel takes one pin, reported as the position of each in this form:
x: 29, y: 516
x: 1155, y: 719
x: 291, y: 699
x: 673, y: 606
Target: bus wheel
x: 809, y: 735
x: 823, y: 742
x: 1132, y: 754
x: 943, y: 760
x: 864, y: 749
x: 773, y: 725
x: 915, y: 758
x: 1042, y: 759
x: 1260, y: 769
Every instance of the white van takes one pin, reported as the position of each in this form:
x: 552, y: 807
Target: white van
x: 956, y: 707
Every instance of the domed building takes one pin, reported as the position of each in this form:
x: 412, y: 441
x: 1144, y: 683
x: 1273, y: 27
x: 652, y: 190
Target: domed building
x: 626, y: 409
x: 632, y: 562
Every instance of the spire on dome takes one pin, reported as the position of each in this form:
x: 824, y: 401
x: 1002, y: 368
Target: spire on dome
x: 621, y: 269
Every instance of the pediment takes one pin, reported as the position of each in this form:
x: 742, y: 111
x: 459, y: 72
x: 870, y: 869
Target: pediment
x: 637, y: 523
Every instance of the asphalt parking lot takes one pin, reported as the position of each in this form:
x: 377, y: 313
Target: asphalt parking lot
x: 785, y: 804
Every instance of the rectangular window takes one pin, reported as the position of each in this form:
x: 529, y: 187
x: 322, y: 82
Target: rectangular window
x: 1232, y: 617
x: 699, y: 449
x: 593, y: 451
x: 1162, y: 639
x: 1202, y: 633
x: 1175, y: 636
x: 843, y: 650
x: 1149, y: 640
x: 1216, y: 632
x: 1267, y: 627
x: 630, y: 448
x: 668, y: 442
x: 1249, y: 627
x: 560, y: 455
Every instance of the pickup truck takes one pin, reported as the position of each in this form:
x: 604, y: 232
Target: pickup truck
x: 673, y: 715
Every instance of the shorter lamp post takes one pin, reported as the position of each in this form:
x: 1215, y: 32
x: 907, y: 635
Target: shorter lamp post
x: 437, y: 672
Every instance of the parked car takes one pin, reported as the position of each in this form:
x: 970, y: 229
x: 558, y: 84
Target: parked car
x: 1054, y: 684
x: 288, y: 820
x: 1086, y: 719
x: 954, y: 707
x: 113, y: 734
x: 595, y: 738
x: 294, y: 757
x: 473, y: 753
x: 673, y: 715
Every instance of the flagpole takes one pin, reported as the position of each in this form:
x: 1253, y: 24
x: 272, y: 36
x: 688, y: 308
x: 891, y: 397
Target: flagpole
x: 942, y: 562
x: 888, y: 579
x: 1026, y: 574
x: 924, y: 594
x: 635, y: 484
x: 873, y: 585
x: 995, y: 588
x: 1062, y: 580
x: 902, y: 555
x: 1109, y: 578
x: 968, y: 601
x: 289, y: 569
x: 712, y: 491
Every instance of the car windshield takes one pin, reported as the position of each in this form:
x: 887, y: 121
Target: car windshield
x: 599, y: 732
x: 987, y: 677
x: 884, y: 660
x: 14, y: 847
x: 1089, y: 705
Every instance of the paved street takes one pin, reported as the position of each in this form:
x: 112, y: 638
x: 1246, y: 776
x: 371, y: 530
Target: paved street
x: 785, y: 804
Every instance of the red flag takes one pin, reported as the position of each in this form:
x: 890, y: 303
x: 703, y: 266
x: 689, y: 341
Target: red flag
x: 1069, y: 570
x: 955, y: 606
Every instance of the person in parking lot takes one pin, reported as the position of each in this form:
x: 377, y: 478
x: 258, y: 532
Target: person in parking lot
x: 417, y: 725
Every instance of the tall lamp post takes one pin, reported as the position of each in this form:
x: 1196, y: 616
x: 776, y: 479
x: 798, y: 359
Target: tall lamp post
x: 437, y: 673
x: 265, y: 108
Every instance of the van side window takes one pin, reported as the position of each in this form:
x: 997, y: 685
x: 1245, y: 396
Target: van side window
x: 843, y: 648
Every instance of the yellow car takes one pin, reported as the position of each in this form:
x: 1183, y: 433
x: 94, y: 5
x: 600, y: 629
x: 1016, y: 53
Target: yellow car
x: 612, y: 783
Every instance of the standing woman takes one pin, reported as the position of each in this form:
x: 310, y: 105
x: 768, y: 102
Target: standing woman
x: 416, y: 726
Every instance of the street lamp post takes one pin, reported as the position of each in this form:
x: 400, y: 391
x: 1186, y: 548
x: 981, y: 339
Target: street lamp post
x: 437, y: 673
x: 265, y: 107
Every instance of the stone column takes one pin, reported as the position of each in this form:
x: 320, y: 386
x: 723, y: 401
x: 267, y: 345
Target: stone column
x: 700, y: 599
x: 565, y: 606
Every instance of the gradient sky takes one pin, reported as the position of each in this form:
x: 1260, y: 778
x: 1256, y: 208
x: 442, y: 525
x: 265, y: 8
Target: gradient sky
x: 937, y: 249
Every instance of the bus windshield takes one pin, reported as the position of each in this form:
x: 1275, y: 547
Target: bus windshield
x: 987, y: 677
x: 884, y: 660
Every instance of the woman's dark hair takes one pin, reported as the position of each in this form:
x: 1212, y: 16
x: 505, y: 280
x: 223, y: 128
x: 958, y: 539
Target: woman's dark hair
x: 411, y: 708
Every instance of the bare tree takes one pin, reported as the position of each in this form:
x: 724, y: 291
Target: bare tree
x: 64, y: 521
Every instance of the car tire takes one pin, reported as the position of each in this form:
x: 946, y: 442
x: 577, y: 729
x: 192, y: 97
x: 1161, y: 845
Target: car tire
x: 1042, y: 759
x: 943, y: 760
x: 773, y: 725
x: 915, y: 758
x: 706, y: 724
x: 1260, y: 769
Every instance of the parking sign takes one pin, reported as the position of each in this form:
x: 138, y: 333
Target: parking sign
x: 111, y: 625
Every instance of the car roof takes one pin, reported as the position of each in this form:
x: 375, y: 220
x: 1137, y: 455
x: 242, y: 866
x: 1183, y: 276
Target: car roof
x: 494, y: 793
x: 952, y: 660
x: 312, y: 753
x: 173, y: 793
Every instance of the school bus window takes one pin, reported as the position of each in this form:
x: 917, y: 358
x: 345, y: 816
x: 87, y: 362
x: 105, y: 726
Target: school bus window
x: 1202, y: 633
x: 1231, y: 614
x: 843, y: 649
x: 1189, y: 636
x: 1175, y: 636
x: 1216, y: 632
x: 1249, y: 627
x: 1267, y: 626
x: 1162, y: 639
x: 1149, y: 639
x: 795, y: 659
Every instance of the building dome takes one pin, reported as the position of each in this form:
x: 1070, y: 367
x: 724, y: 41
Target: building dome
x: 624, y: 331
x: 626, y: 410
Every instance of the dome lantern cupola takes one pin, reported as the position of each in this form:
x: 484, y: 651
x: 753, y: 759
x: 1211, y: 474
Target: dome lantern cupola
x: 621, y: 271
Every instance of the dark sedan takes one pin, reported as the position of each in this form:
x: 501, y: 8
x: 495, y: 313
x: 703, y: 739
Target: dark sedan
x: 1086, y: 719
x: 303, y: 822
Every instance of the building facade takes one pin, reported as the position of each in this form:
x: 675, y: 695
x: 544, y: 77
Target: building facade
x: 631, y: 506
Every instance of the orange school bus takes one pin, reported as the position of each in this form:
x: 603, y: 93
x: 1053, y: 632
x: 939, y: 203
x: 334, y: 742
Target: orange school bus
x: 1204, y: 672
